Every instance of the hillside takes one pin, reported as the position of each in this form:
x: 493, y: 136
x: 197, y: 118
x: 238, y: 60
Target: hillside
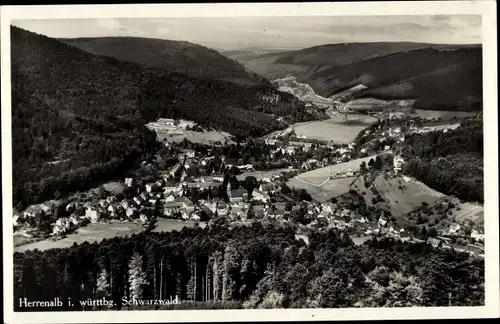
x: 445, y: 77
x: 175, y: 56
x: 302, y: 91
x: 79, y: 118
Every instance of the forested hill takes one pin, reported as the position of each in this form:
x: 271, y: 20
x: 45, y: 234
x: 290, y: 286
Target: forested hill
x: 177, y: 56
x: 439, y: 77
x: 77, y: 112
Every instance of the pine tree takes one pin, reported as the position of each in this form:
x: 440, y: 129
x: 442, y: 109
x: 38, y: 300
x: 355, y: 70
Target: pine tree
x: 230, y: 267
x: 102, y: 289
x: 137, y: 277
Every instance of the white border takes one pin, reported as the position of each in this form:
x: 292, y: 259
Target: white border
x: 484, y: 8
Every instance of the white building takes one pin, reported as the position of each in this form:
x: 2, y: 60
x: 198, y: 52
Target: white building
x: 398, y: 164
x: 477, y: 236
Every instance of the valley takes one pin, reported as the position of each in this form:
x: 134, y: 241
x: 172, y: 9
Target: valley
x: 338, y: 175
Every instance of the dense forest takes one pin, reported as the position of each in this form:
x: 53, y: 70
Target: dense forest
x: 78, y: 118
x: 450, y: 162
x: 176, y: 56
x: 258, y: 266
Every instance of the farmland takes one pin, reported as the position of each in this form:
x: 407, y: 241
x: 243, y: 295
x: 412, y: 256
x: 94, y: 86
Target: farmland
x: 318, y: 183
x: 325, y: 192
x: 468, y: 211
x: 324, y: 173
x: 401, y: 194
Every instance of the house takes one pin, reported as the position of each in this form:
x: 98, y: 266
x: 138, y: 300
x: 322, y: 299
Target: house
x: 404, y: 236
x: 195, y: 216
x: 170, y: 197
x: 454, y: 229
x: 143, y: 218
x: 61, y: 226
x: 149, y: 187
x: 112, y: 209
x: 382, y: 222
x: 92, y: 214
x: 222, y: 209
x: 207, y: 179
x: 144, y: 196
x: 434, y: 242
x: 131, y: 212
x: 328, y: 207
x: 218, y: 177
x: 235, y: 195
x: 259, y: 195
x: 186, y: 203
x: 477, y: 235
x: 124, y: 204
x: 129, y: 182
x: 398, y: 164
x: 267, y: 187
x: 103, y: 203
x: 172, y: 187
x: 138, y: 200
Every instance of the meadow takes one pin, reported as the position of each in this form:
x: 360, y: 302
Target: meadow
x: 401, y: 194
x: 318, y: 183
x: 337, y: 129
x: 91, y: 233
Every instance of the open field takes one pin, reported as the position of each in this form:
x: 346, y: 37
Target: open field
x: 330, y: 189
x: 468, y: 211
x: 399, y: 201
x: 318, y: 183
x: 90, y: 233
x: 444, y: 115
x: 209, y: 137
x: 326, y: 172
x: 337, y: 129
x: 114, y: 187
x: 167, y: 225
x: 263, y: 174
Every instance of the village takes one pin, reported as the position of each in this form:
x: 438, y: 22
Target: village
x: 231, y: 193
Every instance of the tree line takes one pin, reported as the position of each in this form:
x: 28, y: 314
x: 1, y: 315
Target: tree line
x: 450, y: 162
x: 258, y: 266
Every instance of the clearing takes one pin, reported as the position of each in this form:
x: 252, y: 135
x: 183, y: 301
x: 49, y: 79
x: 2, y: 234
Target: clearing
x: 318, y: 183
x: 168, y: 225
x: 337, y: 129
x: 93, y: 232
x: 401, y: 194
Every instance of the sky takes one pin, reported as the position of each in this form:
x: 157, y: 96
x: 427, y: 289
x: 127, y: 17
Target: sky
x: 271, y: 32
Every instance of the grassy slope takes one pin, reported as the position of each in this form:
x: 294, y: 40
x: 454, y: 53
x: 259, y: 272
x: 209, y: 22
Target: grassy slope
x: 177, y: 56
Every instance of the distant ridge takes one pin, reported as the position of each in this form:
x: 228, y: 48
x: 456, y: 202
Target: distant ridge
x: 437, y: 76
x: 175, y: 56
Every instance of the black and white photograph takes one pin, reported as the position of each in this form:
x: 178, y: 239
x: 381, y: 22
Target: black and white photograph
x: 251, y: 159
